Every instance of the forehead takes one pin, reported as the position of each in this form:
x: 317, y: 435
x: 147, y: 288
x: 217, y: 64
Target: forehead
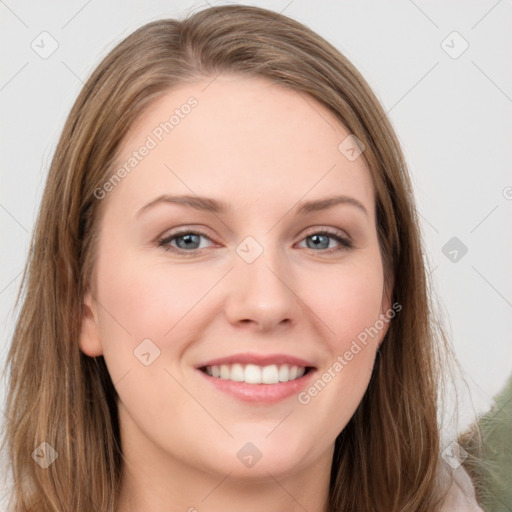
x: 241, y: 139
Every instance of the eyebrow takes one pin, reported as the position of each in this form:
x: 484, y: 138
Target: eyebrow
x: 215, y: 206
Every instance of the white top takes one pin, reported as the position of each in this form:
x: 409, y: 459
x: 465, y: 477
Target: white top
x: 461, y: 495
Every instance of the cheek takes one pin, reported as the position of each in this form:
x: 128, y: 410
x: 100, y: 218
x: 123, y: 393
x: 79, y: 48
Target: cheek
x: 140, y: 302
x: 147, y: 300
x: 142, y: 297
x: 349, y: 304
x: 349, y: 300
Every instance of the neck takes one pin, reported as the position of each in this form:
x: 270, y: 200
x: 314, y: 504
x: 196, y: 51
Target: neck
x: 216, y: 493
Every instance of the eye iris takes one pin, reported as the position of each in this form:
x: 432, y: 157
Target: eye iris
x: 316, y: 238
x: 188, y: 237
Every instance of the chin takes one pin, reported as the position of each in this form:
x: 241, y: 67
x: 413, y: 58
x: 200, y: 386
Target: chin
x: 257, y: 456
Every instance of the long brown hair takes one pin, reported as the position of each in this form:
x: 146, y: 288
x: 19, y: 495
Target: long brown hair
x: 386, y: 458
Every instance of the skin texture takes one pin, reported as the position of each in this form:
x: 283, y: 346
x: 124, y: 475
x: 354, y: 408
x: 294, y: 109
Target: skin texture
x: 262, y: 149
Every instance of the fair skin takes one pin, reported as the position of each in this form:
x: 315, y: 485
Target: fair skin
x: 263, y: 150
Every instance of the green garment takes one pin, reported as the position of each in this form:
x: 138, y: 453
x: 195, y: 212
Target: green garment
x: 489, y: 460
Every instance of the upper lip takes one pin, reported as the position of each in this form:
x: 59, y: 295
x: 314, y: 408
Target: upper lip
x: 258, y: 359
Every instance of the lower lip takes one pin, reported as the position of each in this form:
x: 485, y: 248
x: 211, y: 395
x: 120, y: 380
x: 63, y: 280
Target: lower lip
x: 260, y: 393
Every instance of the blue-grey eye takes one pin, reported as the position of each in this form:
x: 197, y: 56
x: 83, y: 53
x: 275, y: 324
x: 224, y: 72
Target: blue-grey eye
x: 186, y: 241
x: 320, y: 241
x: 190, y: 241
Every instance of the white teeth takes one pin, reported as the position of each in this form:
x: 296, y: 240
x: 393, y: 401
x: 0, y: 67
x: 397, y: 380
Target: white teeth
x: 224, y: 371
x: 254, y: 374
x: 284, y: 373
x: 237, y: 373
x: 270, y: 374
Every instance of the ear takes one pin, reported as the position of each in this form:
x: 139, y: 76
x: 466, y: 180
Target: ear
x: 90, y: 343
x: 387, y: 294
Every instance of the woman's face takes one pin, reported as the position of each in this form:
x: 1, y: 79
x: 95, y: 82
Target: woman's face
x: 257, y: 279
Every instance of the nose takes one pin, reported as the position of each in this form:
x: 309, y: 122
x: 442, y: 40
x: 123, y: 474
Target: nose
x: 261, y: 293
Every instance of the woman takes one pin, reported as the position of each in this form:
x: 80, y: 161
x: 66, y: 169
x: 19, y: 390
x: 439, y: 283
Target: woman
x: 260, y: 369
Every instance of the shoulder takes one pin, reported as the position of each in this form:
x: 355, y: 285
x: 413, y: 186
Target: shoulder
x: 460, y: 493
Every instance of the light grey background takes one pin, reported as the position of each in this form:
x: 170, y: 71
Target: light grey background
x: 452, y: 114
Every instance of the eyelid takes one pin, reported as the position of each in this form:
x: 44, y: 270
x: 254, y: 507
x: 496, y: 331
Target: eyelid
x: 329, y: 230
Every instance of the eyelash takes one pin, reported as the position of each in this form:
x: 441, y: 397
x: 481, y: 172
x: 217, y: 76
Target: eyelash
x: 345, y: 243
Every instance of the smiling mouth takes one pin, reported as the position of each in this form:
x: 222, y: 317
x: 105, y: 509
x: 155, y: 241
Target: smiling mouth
x: 255, y: 374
